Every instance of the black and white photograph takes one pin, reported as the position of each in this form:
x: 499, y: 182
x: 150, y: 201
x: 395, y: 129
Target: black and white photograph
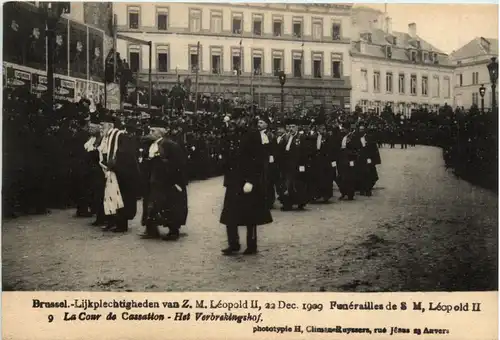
x: 250, y: 147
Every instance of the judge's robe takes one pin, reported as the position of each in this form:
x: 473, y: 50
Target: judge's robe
x: 126, y: 168
x: 348, y: 159
x: 369, y: 158
x: 323, y: 168
x: 296, y: 167
x: 165, y: 203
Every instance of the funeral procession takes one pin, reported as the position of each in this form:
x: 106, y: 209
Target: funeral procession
x: 268, y: 147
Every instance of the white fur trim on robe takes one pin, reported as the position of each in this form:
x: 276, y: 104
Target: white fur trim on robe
x: 363, y: 141
x: 113, y: 199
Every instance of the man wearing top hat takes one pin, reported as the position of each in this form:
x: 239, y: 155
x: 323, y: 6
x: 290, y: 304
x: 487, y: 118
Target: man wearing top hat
x: 268, y: 142
x: 245, y: 180
x: 324, y: 163
x: 348, y: 161
x: 294, y: 164
x: 165, y: 197
x: 117, y: 155
x: 369, y: 157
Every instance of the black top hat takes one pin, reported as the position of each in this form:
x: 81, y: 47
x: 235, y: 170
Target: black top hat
x: 158, y: 123
x: 292, y: 121
x: 106, y: 118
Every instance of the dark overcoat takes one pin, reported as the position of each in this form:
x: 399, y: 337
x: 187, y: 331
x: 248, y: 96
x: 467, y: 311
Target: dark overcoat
x: 164, y: 203
x: 246, y: 161
x: 293, y: 160
x: 369, y: 157
x: 347, y: 163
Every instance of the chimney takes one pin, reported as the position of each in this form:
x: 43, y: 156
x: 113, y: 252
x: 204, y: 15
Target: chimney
x: 388, y: 26
x: 412, y: 30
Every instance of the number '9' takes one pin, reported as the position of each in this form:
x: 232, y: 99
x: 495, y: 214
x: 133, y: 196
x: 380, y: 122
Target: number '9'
x: 51, y: 318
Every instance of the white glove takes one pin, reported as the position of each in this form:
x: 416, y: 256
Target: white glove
x: 334, y: 164
x: 369, y: 161
x: 178, y: 188
x: 247, y: 188
x: 351, y: 163
x: 271, y: 159
x: 302, y: 168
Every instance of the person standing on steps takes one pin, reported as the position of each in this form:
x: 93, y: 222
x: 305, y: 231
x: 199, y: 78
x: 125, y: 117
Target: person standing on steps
x: 245, y: 169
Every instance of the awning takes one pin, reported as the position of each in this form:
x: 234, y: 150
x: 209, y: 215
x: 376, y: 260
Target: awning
x: 132, y: 40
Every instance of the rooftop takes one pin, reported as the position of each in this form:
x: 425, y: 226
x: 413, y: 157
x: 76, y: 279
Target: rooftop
x: 478, y: 46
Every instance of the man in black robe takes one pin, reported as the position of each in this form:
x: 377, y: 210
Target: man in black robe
x: 278, y: 149
x: 118, y: 161
x: 295, y: 164
x: 324, y: 164
x: 268, y: 143
x: 165, y: 198
x: 244, y: 178
x: 369, y: 157
x: 348, y: 159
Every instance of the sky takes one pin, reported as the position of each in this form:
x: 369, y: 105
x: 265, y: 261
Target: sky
x: 446, y: 26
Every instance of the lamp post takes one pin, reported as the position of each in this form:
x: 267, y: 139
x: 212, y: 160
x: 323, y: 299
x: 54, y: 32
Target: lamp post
x: 51, y: 12
x: 482, y: 91
x: 282, y: 78
x: 493, y: 70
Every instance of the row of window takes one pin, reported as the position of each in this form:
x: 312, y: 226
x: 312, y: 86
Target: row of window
x: 216, y: 61
x: 475, y: 79
x: 216, y: 23
x: 389, y: 81
x: 401, y: 108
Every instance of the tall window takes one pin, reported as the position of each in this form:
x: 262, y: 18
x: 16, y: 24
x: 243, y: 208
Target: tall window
x: 401, y: 83
x: 336, y: 34
x: 236, y: 60
x: 194, y: 60
x: 162, y: 19
x: 297, y: 28
x: 162, y: 63
x: 257, y: 24
x: 257, y: 62
x: 388, y: 82
x: 446, y: 87
x: 364, y: 80
x: 216, y: 60
x: 134, y: 58
x: 336, y: 65
x: 413, y: 84
x: 435, y: 87
x: 459, y: 79
x: 425, y: 83
x: 376, y: 81
x: 317, y: 28
x: 277, y: 62
x: 277, y: 27
x: 195, y: 20
x: 297, y: 64
x: 216, y: 21
x: 475, y: 98
x: 317, y: 65
x: 133, y: 17
x: 475, y: 78
x: 237, y: 25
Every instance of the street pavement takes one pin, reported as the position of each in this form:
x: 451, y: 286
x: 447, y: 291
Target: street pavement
x: 422, y: 230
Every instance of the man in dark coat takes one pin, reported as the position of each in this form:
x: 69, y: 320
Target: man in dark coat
x: 278, y: 150
x: 268, y: 144
x: 324, y: 164
x: 165, y: 198
x: 118, y: 160
x: 369, y: 157
x: 348, y: 159
x: 245, y: 181
x: 295, y: 162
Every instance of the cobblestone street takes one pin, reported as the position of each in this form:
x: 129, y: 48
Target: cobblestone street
x: 423, y: 229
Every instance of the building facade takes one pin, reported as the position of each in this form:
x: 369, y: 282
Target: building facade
x: 398, y: 69
x: 471, y: 72
x: 239, y: 48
